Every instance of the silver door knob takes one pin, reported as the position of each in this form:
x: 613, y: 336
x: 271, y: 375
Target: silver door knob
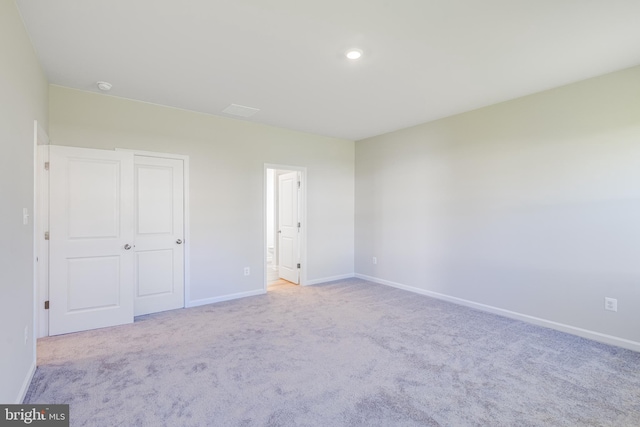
x: 179, y: 241
x: 127, y: 246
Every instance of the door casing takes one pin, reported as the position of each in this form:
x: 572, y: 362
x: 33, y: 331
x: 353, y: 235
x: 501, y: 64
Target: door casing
x: 40, y: 226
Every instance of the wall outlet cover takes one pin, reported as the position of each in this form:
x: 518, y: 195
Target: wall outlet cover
x: 610, y: 304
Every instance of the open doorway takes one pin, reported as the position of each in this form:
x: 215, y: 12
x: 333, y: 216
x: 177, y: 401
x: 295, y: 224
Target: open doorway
x: 284, y: 203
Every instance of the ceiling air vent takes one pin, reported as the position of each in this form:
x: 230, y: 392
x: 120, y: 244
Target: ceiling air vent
x: 240, y: 110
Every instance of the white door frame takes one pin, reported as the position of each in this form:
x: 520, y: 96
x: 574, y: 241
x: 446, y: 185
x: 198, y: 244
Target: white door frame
x: 187, y: 240
x: 40, y: 225
x: 302, y: 214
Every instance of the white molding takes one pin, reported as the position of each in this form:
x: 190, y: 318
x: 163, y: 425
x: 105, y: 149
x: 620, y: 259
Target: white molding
x: 38, y: 136
x: 186, y: 223
x: 26, y: 383
x: 329, y: 279
x: 35, y: 222
x: 205, y: 301
x: 154, y: 154
x: 584, y: 333
x: 40, y: 218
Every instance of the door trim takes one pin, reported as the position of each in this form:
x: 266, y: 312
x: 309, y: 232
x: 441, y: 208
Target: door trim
x: 302, y: 214
x: 40, y: 220
x: 187, y: 239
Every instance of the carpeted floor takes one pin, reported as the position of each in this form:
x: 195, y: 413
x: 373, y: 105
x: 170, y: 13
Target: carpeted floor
x: 348, y: 353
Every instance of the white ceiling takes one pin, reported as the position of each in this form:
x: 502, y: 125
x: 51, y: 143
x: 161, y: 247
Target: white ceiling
x: 423, y: 59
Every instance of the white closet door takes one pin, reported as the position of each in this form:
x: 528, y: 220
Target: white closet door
x: 159, y: 235
x: 91, y: 239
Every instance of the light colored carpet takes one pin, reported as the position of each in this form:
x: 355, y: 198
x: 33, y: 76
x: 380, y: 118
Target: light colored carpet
x: 348, y: 353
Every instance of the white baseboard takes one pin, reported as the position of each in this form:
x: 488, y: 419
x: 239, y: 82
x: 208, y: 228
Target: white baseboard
x: 329, y: 279
x: 205, y: 301
x: 585, y: 333
x: 26, y: 384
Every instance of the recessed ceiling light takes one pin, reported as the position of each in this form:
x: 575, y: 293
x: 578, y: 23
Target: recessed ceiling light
x: 353, y: 53
x: 104, y: 86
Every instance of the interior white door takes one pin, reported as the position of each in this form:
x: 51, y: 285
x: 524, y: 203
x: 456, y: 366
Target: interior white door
x: 288, y: 227
x: 91, y: 237
x: 159, y: 235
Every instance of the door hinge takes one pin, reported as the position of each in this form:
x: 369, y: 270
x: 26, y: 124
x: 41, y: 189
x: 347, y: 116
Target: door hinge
x: 46, y: 235
x: 46, y: 166
x: 46, y: 305
x: 298, y: 184
x: 298, y: 225
x: 298, y: 265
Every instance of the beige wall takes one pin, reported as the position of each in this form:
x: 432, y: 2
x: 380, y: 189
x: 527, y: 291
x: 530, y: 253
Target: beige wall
x: 531, y: 206
x: 23, y: 99
x: 227, y: 160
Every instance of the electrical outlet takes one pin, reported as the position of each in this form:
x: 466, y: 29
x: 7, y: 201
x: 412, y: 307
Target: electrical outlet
x: 375, y: 260
x: 610, y: 304
x: 247, y: 271
x: 26, y: 334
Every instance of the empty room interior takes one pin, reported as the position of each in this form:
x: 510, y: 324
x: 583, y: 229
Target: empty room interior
x: 365, y: 213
